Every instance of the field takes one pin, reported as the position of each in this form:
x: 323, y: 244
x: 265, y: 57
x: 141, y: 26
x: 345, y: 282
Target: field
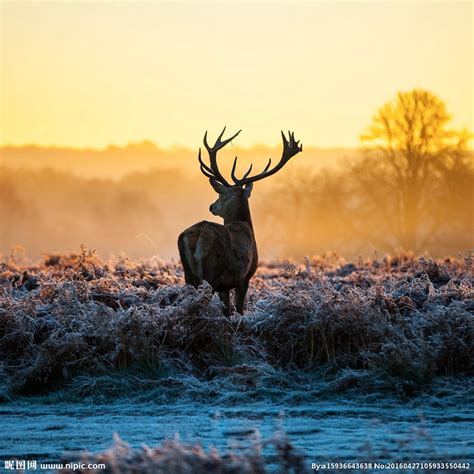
x: 331, y: 135
x: 327, y: 347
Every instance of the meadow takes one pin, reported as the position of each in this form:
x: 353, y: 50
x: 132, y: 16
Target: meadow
x: 356, y: 345
x: 362, y: 354
x: 76, y: 329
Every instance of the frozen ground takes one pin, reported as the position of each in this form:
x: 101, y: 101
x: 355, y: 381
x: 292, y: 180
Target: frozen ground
x: 352, y: 361
x: 344, y: 429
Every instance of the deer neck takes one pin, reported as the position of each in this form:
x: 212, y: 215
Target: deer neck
x: 240, y: 214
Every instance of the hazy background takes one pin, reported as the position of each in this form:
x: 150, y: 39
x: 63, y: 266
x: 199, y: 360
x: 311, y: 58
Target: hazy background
x: 138, y: 198
x: 134, y: 199
x: 103, y: 107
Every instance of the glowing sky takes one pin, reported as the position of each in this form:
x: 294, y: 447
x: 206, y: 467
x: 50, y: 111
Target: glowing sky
x: 95, y: 73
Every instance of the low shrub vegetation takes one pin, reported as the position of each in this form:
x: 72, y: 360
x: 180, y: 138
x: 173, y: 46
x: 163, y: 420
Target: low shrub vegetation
x: 94, y: 327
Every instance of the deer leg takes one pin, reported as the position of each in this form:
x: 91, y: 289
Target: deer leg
x: 240, y: 293
x: 225, y: 298
x: 189, y: 276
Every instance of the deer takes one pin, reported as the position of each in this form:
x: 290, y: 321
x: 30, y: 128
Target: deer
x: 225, y: 255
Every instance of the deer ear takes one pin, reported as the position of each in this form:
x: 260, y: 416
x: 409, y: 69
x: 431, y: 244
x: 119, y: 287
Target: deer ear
x: 218, y: 187
x: 248, y: 190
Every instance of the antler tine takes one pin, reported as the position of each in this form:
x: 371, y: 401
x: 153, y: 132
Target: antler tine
x: 205, y: 140
x: 291, y: 147
x: 222, y: 133
x: 205, y: 173
x: 220, y: 144
x: 248, y: 171
x: 212, y: 171
x: 203, y: 165
x: 232, y: 173
x: 268, y: 165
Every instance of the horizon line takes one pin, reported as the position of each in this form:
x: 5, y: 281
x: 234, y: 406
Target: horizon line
x: 151, y: 144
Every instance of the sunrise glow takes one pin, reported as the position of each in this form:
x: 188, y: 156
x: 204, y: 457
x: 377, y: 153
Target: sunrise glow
x: 91, y: 74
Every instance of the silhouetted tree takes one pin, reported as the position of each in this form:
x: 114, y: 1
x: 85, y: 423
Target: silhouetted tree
x: 405, y: 178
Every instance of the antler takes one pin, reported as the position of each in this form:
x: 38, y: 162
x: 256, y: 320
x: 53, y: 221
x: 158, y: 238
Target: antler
x: 291, y: 147
x: 212, y: 171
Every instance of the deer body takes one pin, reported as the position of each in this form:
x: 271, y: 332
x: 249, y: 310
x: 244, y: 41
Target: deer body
x: 226, y: 255
x: 223, y: 255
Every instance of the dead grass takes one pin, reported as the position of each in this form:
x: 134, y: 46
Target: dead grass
x: 76, y: 319
x: 173, y: 457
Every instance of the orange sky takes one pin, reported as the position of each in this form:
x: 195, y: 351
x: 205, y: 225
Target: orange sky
x: 94, y: 73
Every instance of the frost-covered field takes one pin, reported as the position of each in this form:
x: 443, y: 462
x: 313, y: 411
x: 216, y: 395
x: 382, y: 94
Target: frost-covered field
x: 353, y: 361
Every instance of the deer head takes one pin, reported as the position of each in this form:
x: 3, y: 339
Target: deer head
x: 233, y: 199
x: 229, y: 198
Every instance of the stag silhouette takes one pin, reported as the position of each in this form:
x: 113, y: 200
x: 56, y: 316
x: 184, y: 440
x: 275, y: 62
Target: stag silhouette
x: 226, y: 255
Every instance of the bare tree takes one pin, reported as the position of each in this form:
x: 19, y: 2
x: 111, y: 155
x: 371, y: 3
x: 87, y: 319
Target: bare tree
x: 402, y: 178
